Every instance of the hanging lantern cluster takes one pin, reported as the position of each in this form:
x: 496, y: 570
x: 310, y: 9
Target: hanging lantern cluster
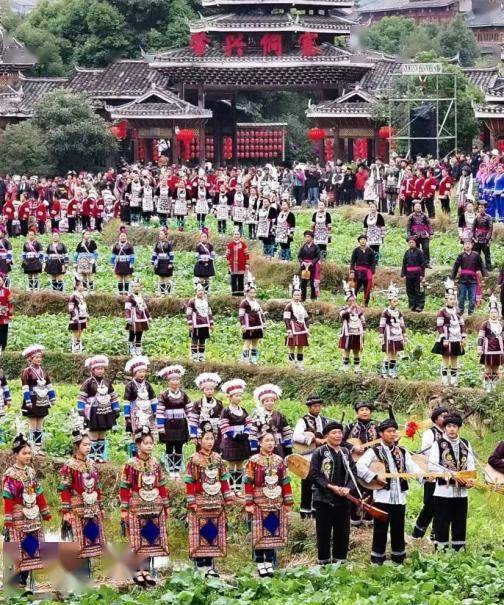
x: 155, y: 151
x: 316, y: 134
x: 185, y: 136
x: 328, y: 148
x: 141, y: 150
x: 196, y: 148
x: 360, y: 149
x: 228, y: 148
x: 260, y: 143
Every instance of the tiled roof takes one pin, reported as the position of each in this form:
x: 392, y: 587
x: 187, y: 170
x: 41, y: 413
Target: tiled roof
x: 22, y: 100
x: 488, y: 110
x: 335, y: 109
x: 493, y: 17
x: 214, y: 56
x: 379, y: 76
x: 124, y: 79
x: 403, y: 5
x: 156, y: 104
x: 13, y: 53
x: 268, y: 3
x: 484, y: 77
x: 332, y: 23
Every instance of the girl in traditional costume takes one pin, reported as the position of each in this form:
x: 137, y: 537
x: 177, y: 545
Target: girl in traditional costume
x: 33, y: 258
x: 137, y: 318
x: 268, y: 498
x: 140, y: 401
x: 491, y: 346
x: 200, y: 322
x: 98, y: 404
x: 25, y: 507
x: 171, y: 417
x: 296, y: 322
x: 162, y: 261
x: 392, y: 333
x: 122, y: 260
x: 451, y: 336
x: 352, y: 330
x: 321, y: 227
x: 56, y: 261
x: 206, y: 412
x: 252, y: 319
x: 144, y: 507
x: 81, y: 499
x: 208, y: 492
x: 266, y: 418
x: 237, y: 432
x: 86, y: 259
x: 205, y: 256
x: 79, y: 315
x: 38, y: 394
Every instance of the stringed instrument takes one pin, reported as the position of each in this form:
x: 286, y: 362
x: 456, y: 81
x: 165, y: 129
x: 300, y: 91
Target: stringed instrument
x: 379, y: 468
x: 354, y: 441
x: 303, y: 450
x: 300, y: 466
x: 493, y: 477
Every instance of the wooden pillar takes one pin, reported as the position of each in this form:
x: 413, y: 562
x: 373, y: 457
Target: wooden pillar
x: 336, y: 145
x: 175, y: 150
x: 234, y: 136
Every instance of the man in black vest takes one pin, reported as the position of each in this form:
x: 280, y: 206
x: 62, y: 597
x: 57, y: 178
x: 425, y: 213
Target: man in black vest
x: 308, y: 435
x: 391, y: 498
x: 333, y: 473
x: 451, y: 453
x: 434, y: 433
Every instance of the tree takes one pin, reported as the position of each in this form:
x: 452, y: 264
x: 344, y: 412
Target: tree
x: 422, y: 38
x: 457, y: 38
x: 23, y: 150
x: 75, y: 136
x: 388, y: 35
x: 175, y: 31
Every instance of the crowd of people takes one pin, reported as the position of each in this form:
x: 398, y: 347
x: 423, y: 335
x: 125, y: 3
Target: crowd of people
x: 242, y: 456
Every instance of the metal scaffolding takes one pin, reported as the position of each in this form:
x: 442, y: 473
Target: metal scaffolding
x: 416, y: 86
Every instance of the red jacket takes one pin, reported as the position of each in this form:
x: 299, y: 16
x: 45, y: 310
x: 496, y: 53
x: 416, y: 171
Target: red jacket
x: 98, y: 208
x: 5, y: 306
x: 24, y: 211
x: 445, y: 186
x: 8, y: 210
x: 429, y: 187
x: 237, y: 256
x: 407, y: 187
x: 55, y: 211
x: 73, y: 208
x: 87, y: 207
x: 419, y: 185
x: 117, y: 209
x: 41, y: 212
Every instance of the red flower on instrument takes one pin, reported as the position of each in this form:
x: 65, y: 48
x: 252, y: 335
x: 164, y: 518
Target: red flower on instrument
x: 411, y: 429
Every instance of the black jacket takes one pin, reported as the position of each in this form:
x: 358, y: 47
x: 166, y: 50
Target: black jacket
x: 327, y: 466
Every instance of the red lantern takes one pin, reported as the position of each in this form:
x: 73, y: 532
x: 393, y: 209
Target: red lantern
x: 185, y: 135
x: 141, y: 150
x: 316, y: 134
x: 386, y: 132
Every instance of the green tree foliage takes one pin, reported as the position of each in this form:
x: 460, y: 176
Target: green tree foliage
x: 65, y: 33
x: 389, y: 35
x: 401, y: 36
x: 174, y: 32
x: 457, y: 38
x: 23, y: 150
x: 74, y: 135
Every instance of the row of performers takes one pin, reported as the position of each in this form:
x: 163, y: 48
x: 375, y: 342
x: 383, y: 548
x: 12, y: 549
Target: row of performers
x: 332, y: 477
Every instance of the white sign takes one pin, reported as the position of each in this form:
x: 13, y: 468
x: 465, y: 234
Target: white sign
x: 421, y: 69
